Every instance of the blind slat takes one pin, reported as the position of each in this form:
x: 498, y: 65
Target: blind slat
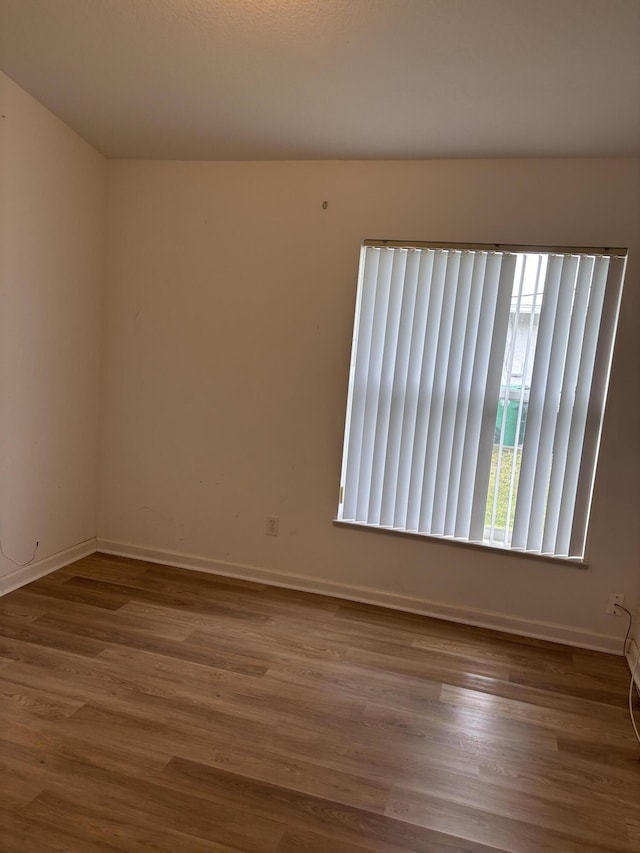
x: 401, y: 380
x: 398, y: 262
x: 436, y: 298
x: 359, y: 378
x: 581, y: 404
x: 533, y: 431
x: 567, y: 400
x: 436, y: 408
x: 553, y: 385
x: 597, y: 397
x: 475, y: 410
x: 412, y: 392
x: 372, y: 396
x: 452, y: 392
x: 491, y: 394
x: 454, y: 496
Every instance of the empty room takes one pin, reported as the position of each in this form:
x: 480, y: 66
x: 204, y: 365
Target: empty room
x: 320, y: 426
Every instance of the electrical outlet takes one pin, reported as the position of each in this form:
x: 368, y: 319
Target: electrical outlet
x: 272, y: 525
x: 615, y: 598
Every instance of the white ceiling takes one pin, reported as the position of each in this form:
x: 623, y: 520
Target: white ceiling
x: 324, y: 79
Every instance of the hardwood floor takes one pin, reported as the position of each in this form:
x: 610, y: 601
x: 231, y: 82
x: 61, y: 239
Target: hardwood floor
x: 148, y: 708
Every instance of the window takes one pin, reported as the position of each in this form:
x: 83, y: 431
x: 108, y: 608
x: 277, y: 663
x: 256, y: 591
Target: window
x: 477, y: 389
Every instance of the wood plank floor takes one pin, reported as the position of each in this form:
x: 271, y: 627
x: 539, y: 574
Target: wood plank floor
x: 149, y: 708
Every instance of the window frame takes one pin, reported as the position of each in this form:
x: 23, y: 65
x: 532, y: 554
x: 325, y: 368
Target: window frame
x: 610, y: 319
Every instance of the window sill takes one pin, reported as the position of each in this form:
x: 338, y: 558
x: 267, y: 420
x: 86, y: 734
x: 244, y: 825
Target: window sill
x: 573, y: 562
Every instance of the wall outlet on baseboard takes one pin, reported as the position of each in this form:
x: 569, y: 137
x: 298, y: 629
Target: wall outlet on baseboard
x: 615, y: 598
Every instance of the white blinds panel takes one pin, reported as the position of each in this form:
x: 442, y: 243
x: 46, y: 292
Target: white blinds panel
x: 414, y: 374
x: 428, y: 351
x: 553, y: 385
x: 452, y: 392
x: 398, y: 266
x: 581, y: 404
x: 567, y: 399
x: 600, y: 379
x: 478, y: 385
x: 425, y: 394
x: 399, y: 391
x: 476, y: 289
x: 491, y: 394
x: 381, y: 304
x: 536, y: 402
x: 443, y: 356
x: 361, y: 349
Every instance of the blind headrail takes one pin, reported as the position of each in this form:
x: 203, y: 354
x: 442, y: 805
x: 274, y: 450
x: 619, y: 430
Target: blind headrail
x: 605, y: 251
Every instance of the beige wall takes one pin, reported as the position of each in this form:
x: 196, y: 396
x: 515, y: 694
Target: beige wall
x: 52, y: 191
x: 228, y: 330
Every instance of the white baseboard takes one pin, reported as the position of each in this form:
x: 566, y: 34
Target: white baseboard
x: 40, y: 568
x: 481, y: 618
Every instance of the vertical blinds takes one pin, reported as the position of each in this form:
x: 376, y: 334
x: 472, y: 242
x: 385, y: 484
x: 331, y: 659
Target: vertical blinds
x: 433, y: 352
